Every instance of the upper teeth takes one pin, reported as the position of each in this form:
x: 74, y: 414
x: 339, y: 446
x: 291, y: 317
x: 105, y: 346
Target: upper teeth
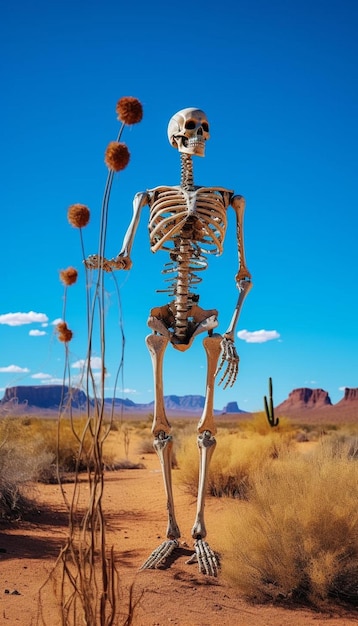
x: 195, y: 140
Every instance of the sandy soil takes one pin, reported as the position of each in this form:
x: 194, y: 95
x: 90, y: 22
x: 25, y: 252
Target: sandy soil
x: 135, y: 508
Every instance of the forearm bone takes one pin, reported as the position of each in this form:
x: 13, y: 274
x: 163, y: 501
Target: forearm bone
x: 122, y: 260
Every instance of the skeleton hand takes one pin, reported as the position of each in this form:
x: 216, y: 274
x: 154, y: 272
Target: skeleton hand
x: 231, y: 358
x: 95, y: 262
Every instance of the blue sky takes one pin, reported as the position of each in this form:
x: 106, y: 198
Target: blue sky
x: 279, y: 83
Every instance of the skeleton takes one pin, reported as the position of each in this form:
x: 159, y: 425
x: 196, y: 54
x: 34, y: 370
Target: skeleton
x: 189, y: 222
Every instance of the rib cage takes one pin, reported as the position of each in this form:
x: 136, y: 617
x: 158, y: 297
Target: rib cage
x: 190, y: 223
x: 195, y: 219
x: 173, y: 207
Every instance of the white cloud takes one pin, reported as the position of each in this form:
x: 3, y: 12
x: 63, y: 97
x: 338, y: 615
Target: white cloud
x: 77, y: 380
x: 58, y: 320
x: 37, y: 333
x: 258, y: 336
x: 14, y: 369
x: 53, y: 381
x: 96, y: 363
x: 19, y: 319
x: 41, y: 375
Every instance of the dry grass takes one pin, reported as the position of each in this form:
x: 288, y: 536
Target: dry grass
x: 293, y: 536
x: 259, y: 424
x: 237, y: 457
x: 22, y: 460
x: 297, y: 537
x: 48, y: 444
x: 42, y: 450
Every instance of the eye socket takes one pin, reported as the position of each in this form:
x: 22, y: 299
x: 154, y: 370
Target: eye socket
x: 205, y: 126
x: 190, y: 125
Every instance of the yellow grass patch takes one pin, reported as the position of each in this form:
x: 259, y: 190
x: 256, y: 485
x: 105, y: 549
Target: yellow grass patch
x: 297, y: 537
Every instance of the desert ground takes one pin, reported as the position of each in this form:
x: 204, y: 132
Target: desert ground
x: 135, y: 509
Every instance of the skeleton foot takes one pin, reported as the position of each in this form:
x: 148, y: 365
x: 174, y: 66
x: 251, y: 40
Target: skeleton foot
x: 160, y: 554
x: 206, y: 558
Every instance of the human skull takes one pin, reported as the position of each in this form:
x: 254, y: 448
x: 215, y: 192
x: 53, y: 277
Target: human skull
x: 188, y: 130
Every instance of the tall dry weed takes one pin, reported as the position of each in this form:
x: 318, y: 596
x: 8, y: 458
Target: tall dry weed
x: 86, y: 576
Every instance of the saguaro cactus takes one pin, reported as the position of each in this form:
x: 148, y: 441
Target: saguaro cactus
x: 269, y: 408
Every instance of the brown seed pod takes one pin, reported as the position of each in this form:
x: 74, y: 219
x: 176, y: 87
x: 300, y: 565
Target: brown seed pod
x: 68, y: 276
x: 78, y: 215
x: 64, y: 333
x: 117, y: 156
x: 129, y: 110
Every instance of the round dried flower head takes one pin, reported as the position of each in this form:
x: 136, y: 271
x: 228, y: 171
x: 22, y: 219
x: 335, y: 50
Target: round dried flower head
x: 129, y: 110
x: 117, y: 156
x: 69, y: 276
x: 78, y: 215
x: 64, y: 333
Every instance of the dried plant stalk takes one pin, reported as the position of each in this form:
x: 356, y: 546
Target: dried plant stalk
x: 85, y: 577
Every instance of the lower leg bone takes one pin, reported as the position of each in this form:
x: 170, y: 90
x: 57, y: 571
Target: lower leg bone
x: 206, y: 558
x: 204, y: 555
x: 206, y: 445
x: 206, y: 428
x: 163, y: 445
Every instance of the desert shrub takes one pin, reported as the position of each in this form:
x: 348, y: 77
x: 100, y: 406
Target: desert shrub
x: 42, y: 448
x: 297, y: 537
x: 14, y: 501
x: 343, y: 439
x: 234, y: 461
x: 19, y: 466
x: 260, y: 425
x: 145, y: 446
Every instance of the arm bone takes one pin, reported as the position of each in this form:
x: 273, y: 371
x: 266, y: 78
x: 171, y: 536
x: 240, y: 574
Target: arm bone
x: 140, y: 200
x: 243, y: 276
x: 122, y: 261
x: 244, y: 289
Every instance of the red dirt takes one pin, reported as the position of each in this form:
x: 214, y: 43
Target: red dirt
x: 135, y: 509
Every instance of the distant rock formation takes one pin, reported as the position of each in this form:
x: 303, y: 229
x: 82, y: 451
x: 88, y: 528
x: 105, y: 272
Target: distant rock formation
x: 350, y: 395
x: 232, y: 407
x: 125, y: 403
x: 51, y: 397
x: 305, y: 398
x: 54, y: 397
x: 172, y: 403
x: 184, y: 403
